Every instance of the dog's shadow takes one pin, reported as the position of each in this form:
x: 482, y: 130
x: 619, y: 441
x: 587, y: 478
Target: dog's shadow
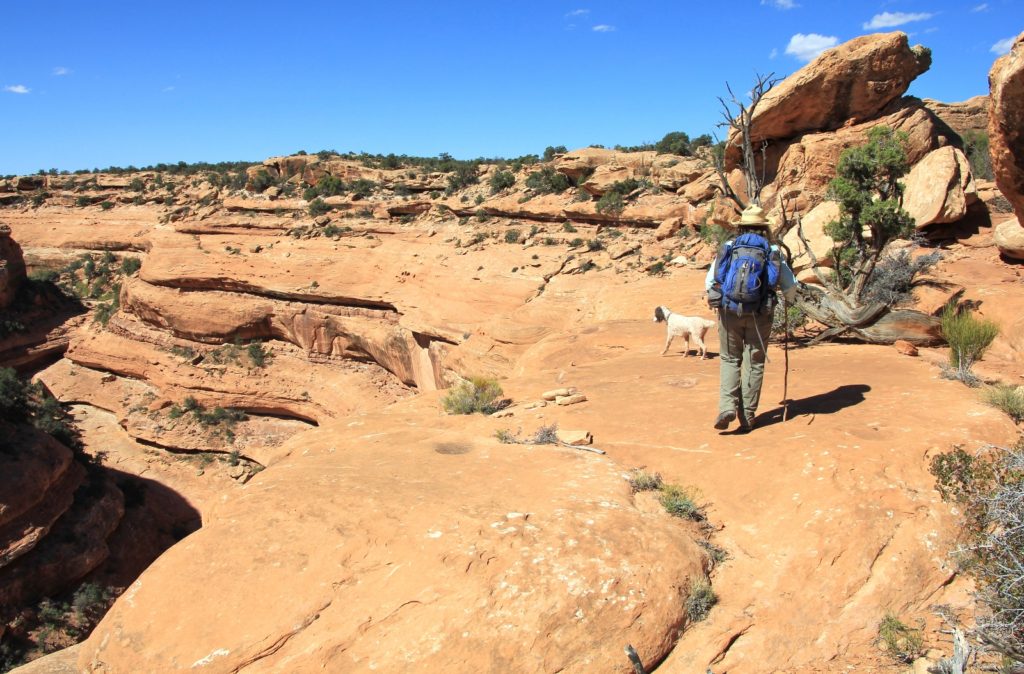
x: 691, y: 354
x: 831, y: 402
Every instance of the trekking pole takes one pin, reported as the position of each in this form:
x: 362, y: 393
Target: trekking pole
x: 785, y: 358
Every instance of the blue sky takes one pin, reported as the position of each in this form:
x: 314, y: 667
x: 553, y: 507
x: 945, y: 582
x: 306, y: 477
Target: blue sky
x: 95, y: 84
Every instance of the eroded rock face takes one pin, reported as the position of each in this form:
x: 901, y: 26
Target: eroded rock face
x: 12, y: 267
x: 425, y: 565
x: 849, y: 83
x: 939, y: 188
x: 970, y: 116
x: 1006, y: 124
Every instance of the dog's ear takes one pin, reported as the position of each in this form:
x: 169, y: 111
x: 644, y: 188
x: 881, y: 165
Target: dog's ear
x: 659, y: 315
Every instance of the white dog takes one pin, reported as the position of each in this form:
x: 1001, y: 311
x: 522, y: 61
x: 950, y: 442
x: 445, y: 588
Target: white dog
x: 684, y: 326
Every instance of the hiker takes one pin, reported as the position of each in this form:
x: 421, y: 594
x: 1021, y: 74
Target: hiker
x: 741, y: 285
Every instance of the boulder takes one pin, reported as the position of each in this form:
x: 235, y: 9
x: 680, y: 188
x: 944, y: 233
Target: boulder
x: 939, y: 188
x: 1009, y: 239
x: 1006, y: 123
x: 801, y: 169
x: 813, y: 225
x: 668, y: 228
x: 853, y: 82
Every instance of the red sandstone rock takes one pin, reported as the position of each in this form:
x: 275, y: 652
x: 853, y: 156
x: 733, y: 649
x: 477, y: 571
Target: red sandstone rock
x: 963, y: 117
x: 12, y: 267
x: 939, y: 188
x: 904, y: 347
x: 1006, y: 123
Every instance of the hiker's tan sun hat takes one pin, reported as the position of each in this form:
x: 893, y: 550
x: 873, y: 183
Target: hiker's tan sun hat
x: 753, y: 216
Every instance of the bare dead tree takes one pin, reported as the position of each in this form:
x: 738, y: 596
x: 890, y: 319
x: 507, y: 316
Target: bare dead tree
x: 738, y: 118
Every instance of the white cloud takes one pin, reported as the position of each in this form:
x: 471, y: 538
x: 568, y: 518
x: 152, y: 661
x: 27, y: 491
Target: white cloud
x: 61, y: 70
x: 892, y: 19
x: 980, y: 8
x: 17, y: 89
x: 773, y: 54
x: 1003, y: 46
x: 603, y: 28
x: 578, y: 12
x: 780, y: 4
x: 807, y: 47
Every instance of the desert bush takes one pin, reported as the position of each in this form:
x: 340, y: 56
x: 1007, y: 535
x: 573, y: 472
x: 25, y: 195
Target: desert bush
x: 641, y: 480
x: 506, y: 437
x: 656, y: 268
x: 318, y: 207
x: 83, y: 201
x: 512, y: 236
x: 463, y: 175
x: 136, y: 185
x: 901, y: 642
x: 262, y: 181
x: 700, y: 600
x: 674, y: 142
x: 475, y: 395
x: 1009, y: 399
x: 545, y: 435
x: 258, y: 355
x: 362, y: 188
x: 594, y: 245
x: 791, y: 314
x: 988, y: 488
x: 551, y: 151
x: 679, y: 502
x: 892, y: 282
x: 547, y: 181
x: 976, y: 149
x: 502, y: 180
x: 130, y: 265
x: 568, y: 227
x: 13, y: 396
x: 611, y: 203
x: 968, y: 337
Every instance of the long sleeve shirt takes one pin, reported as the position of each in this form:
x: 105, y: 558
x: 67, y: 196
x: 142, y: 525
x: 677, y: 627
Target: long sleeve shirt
x: 787, y: 281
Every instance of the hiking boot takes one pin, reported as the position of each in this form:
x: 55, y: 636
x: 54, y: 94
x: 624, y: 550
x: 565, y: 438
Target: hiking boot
x: 724, y: 419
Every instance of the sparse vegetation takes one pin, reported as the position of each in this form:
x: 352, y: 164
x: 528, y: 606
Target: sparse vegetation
x: 988, y: 488
x: 547, y: 181
x: 258, y: 354
x: 1009, y: 399
x: 477, y: 395
x: 318, y: 207
x: 700, y: 600
x: 502, y: 180
x: 976, y: 149
x: 640, y: 480
x: 892, y: 282
x: 679, y: 502
x: 968, y: 338
x: 901, y: 642
x: 512, y: 236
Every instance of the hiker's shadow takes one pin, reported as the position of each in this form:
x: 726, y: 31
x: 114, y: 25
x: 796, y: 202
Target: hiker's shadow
x: 823, y: 403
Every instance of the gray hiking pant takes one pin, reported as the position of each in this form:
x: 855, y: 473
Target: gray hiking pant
x: 742, y: 344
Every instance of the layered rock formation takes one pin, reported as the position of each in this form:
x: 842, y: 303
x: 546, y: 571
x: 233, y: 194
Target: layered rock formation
x: 350, y: 525
x: 12, y: 267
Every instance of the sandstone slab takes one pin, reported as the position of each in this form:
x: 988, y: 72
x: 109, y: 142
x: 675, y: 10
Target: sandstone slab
x: 1006, y: 123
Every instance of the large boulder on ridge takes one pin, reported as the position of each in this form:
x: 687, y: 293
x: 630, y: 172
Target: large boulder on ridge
x: 1006, y: 124
x: 939, y: 188
x: 850, y: 83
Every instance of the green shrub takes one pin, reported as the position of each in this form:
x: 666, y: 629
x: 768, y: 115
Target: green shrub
x: 318, y: 207
x: 674, y: 142
x: 656, y: 268
x: 261, y: 181
x: 611, y: 203
x: 13, y: 396
x: 976, y: 149
x: 594, y: 245
x: 568, y: 227
x: 902, y: 643
x: 258, y: 355
x: 512, y: 236
x: 130, y: 265
x: 968, y: 337
x: 679, y: 502
x: 1010, y: 399
x: 641, y: 480
x: 502, y: 180
x: 477, y: 395
x: 714, y: 235
x: 362, y: 188
x: 551, y: 151
x: 547, y: 181
x: 83, y: 201
x: 545, y: 435
x: 478, y: 199
x: 700, y: 600
x: 136, y: 185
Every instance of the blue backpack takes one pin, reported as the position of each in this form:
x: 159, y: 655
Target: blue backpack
x: 747, y: 271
